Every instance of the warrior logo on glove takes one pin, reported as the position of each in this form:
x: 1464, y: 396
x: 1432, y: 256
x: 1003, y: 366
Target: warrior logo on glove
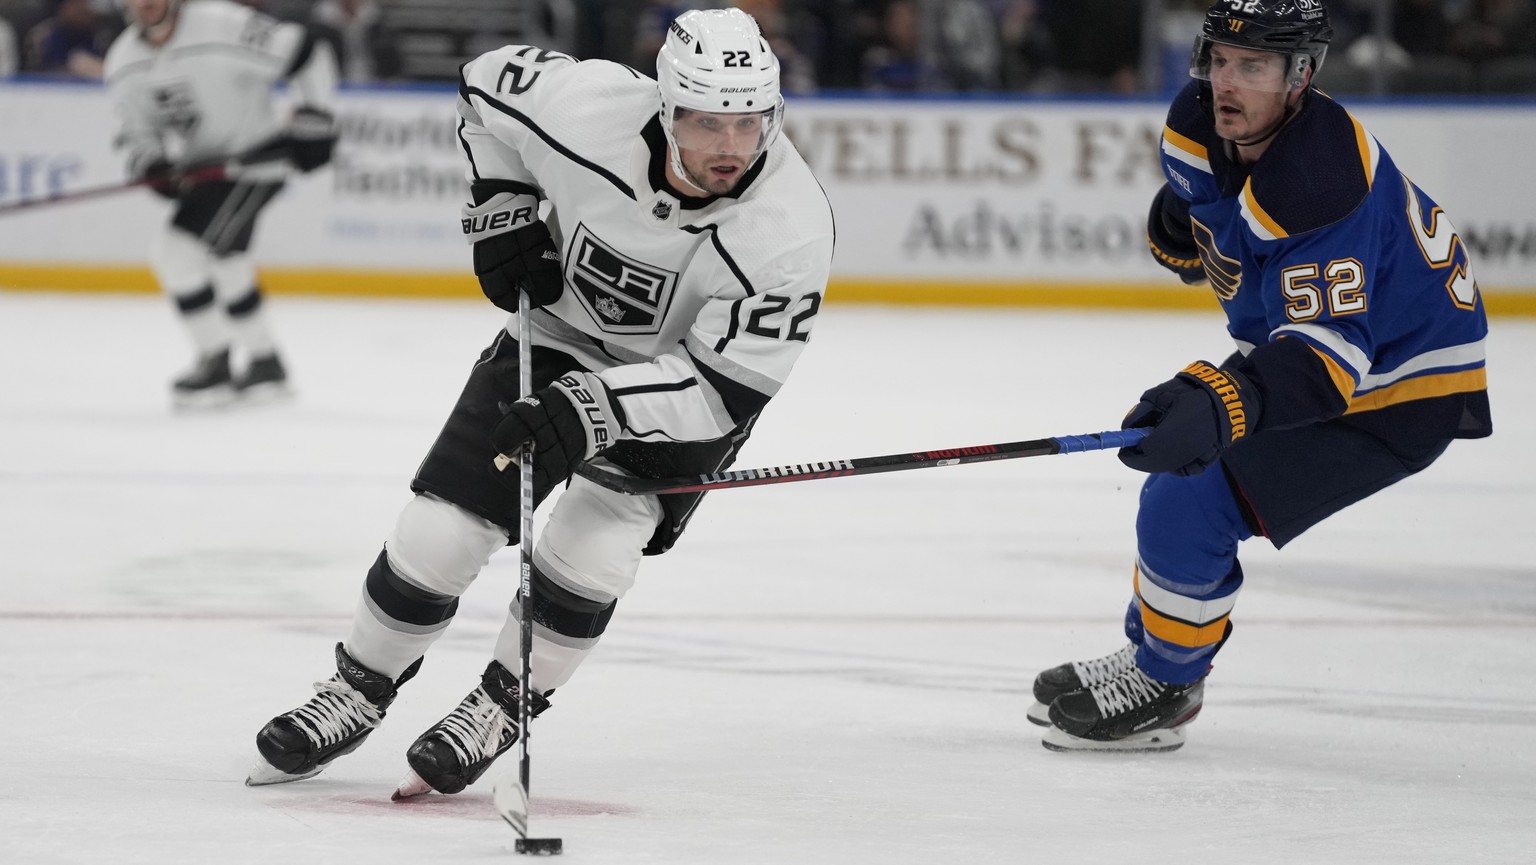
x: 1225, y: 390
x: 1194, y: 416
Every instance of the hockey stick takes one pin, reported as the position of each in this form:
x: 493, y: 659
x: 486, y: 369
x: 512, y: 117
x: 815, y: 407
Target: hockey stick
x: 635, y: 486
x: 202, y: 174
x: 511, y: 795
x: 266, y: 163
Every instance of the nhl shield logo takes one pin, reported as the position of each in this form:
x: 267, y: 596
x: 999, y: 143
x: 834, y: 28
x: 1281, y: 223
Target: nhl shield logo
x: 623, y: 295
x: 662, y: 210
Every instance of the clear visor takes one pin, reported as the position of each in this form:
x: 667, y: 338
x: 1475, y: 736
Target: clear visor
x: 1236, y: 66
x: 744, y: 135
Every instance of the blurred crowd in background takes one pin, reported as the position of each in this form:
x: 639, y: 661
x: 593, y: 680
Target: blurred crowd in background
x: 888, y: 46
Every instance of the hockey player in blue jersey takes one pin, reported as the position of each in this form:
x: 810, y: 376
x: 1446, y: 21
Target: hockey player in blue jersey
x: 1360, y: 335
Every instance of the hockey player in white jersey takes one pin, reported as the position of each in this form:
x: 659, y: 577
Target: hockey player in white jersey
x: 192, y: 84
x: 677, y: 275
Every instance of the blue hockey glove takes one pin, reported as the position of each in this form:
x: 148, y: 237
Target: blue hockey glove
x: 1194, y: 416
x: 1171, y: 238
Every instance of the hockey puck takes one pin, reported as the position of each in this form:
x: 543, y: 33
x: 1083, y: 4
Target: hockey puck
x: 539, y: 846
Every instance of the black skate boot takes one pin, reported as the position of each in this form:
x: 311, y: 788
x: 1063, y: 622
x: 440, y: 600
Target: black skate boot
x: 207, y: 385
x: 1076, y: 676
x: 299, y: 744
x: 264, y: 378
x: 1132, y: 712
x: 456, y: 751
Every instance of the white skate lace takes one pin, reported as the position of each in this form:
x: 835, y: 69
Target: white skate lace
x: 1101, y: 670
x: 1125, y: 693
x: 338, y: 711
x: 477, y: 728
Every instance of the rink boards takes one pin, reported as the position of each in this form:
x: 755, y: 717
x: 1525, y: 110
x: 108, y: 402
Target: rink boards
x: 966, y: 202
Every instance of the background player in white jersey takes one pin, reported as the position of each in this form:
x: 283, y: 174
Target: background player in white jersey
x: 677, y: 275
x: 193, y: 86
x: 1360, y: 334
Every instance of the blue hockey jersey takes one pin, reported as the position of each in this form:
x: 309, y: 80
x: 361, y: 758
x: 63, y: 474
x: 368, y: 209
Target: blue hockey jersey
x: 1348, y: 290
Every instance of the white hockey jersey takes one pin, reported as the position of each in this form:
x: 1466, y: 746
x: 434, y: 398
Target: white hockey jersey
x: 692, y: 311
x: 206, y: 94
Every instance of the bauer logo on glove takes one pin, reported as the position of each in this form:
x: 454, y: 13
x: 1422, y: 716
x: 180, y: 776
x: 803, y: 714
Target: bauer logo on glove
x: 567, y: 423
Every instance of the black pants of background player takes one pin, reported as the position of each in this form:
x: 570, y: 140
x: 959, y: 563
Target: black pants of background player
x: 203, y: 263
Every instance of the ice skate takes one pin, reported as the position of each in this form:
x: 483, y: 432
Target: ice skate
x: 456, y: 751
x: 1076, y: 676
x: 207, y: 385
x: 1131, y: 712
x: 300, y: 744
x: 264, y: 380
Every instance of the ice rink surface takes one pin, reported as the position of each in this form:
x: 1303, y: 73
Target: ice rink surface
x: 824, y: 672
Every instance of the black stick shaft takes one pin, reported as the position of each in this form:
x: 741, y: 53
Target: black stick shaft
x: 862, y: 465
x: 525, y: 543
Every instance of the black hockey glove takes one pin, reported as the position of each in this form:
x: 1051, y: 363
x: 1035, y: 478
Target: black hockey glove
x: 161, y: 177
x: 1194, y: 416
x: 310, y: 138
x: 1171, y: 238
x: 568, y: 422
x: 513, y: 249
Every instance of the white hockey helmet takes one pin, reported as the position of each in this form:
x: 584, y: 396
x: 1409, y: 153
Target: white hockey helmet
x: 716, y: 61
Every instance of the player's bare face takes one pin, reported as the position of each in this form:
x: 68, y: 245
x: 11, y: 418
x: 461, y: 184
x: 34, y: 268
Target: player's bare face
x: 717, y: 149
x: 1248, y: 91
x: 149, y: 13
x: 715, y: 173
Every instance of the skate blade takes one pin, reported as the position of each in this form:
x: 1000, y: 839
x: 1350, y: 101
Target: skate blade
x: 263, y: 774
x: 410, y: 787
x: 210, y: 399
x: 1150, y: 742
x: 266, y: 393
x: 1039, y: 714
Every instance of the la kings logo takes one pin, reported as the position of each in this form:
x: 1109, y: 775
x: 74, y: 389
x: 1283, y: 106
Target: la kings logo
x: 175, y: 107
x: 621, y: 294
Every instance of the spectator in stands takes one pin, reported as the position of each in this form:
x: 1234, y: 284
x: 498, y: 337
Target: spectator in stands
x: 896, y: 63
x: 9, y: 59
x: 1095, y: 45
x: 1421, y: 27
x: 651, y: 29
x: 797, y: 74
x: 836, y: 34
x: 1024, y: 42
x: 70, y: 41
x: 1499, y: 38
x: 967, y: 48
x: 1496, y: 28
x: 365, y: 47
